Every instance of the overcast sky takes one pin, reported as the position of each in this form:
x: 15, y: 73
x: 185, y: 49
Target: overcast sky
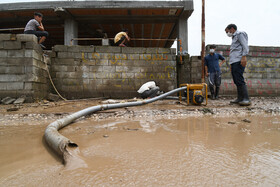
x: 259, y: 18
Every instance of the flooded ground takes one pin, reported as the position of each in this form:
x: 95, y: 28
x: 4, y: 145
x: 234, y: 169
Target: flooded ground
x: 160, y: 144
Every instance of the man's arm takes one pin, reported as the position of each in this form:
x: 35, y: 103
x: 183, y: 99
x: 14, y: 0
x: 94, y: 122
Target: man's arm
x: 41, y: 27
x: 221, y: 63
x: 243, y: 39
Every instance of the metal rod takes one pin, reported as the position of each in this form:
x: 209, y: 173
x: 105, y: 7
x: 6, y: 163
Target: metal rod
x: 11, y: 29
x: 202, y: 40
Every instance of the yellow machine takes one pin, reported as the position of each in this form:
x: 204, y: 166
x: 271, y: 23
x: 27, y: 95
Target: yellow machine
x: 194, y: 93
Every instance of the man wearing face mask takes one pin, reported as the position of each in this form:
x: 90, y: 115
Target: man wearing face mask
x: 213, y: 72
x: 237, y: 59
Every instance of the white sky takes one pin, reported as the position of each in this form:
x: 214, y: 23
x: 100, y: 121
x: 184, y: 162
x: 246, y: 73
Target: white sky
x: 259, y: 18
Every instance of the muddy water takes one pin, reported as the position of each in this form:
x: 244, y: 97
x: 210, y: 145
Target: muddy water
x: 190, y: 151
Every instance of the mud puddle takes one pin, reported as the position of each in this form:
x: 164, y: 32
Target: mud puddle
x: 190, y: 151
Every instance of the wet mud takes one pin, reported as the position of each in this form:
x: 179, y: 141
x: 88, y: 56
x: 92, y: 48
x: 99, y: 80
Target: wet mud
x: 160, y: 144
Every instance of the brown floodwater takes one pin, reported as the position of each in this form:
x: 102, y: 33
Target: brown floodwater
x: 189, y: 151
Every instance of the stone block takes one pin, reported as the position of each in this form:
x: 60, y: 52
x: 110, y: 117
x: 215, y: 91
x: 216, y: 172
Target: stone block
x: 3, y: 53
x: 128, y: 75
x: 12, y: 45
x: 107, y: 49
x: 133, y: 56
x: 12, y: 70
x: 27, y: 38
x: 135, y: 50
x: 59, y: 48
x: 158, y: 50
x: 15, y: 86
x: 4, y: 37
x: 3, y: 85
x: 109, y: 69
x: 79, y: 49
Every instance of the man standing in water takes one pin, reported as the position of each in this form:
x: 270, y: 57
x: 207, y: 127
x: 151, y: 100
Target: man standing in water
x: 213, y: 72
x: 237, y: 59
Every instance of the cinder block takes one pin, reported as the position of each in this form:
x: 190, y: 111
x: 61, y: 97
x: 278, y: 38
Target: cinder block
x: 27, y: 38
x: 133, y: 56
x: 79, y: 49
x: 15, y: 86
x: 1, y: 45
x: 135, y: 50
x: 109, y: 69
x: 12, y: 45
x: 60, y: 48
x: 12, y: 70
x: 3, y: 53
x: 3, y: 85
x: 4, y: 37
x: 107, y: 49
x: 122, y: 69
x: 158, y: 50
x: 128, y: 75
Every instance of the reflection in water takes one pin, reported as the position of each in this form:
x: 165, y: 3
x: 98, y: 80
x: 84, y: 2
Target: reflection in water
x: 194, y: 151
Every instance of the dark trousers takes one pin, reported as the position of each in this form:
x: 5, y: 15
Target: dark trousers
x: 37, y: 33
x: 237, y: 71
x: 150, y: 93
x: 214, y: 79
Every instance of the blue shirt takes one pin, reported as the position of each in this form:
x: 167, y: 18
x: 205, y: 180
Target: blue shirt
x: 212, y: 62
x: 239, y: 46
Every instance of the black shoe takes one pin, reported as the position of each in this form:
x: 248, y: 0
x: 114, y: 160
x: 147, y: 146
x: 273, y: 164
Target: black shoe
x: 245, y: 101
x: 239, y: 96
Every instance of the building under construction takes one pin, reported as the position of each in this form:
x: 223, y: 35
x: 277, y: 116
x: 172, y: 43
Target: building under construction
x: 65, y: 20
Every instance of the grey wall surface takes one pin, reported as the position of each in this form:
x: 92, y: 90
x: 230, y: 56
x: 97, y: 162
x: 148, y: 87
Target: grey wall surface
x: 22, y: 67
x: 116, y: 72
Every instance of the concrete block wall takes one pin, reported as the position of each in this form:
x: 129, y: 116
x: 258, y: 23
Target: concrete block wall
x: 116, y: 72
x: 262, y: 72
x: 22, y: 67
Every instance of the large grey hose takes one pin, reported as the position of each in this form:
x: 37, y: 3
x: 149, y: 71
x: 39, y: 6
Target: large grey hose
x: 60, y: 143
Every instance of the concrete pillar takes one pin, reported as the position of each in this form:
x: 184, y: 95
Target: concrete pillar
x: 70, y: 31
x: 183, y: 34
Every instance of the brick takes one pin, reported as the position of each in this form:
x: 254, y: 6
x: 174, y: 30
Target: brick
x: 3, y: 85
x: 12, y: 45
x: 78, y: 48
x: 3, y: 53
x: 27, y: 37
x: 107, y: 49
x: 12, y: 70
x: 128, y: 75
x: 15, y: 86
x: 4, y: 37
x: 135, y: 50
x: 59, y: 48
x: 158, y: 50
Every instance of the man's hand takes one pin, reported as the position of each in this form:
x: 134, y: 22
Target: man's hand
x: 206, y: 74
x: 243, y: 61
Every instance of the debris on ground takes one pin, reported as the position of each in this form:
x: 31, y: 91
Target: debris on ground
x: 7, y: 100
x: 53, y: 97
x: 246, y: 120
x: 20, y: 100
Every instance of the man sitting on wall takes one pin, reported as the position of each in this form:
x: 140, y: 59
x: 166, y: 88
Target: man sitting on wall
x: 148, y: 90
x: 121, y: 38
x: 35, y: 26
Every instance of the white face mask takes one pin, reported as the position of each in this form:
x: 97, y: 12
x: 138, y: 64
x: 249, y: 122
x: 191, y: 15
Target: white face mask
x: 212, y: 50
x: 229, y: 34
